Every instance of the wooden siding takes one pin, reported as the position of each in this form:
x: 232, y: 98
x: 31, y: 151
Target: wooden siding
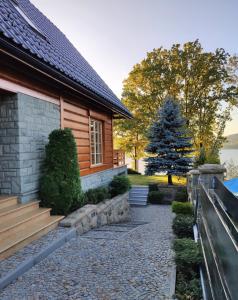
x: 77, y: 118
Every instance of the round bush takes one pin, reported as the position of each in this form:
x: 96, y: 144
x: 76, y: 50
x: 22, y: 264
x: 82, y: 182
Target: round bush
x: 60, y: 186
x: 119, y: 185
x: 183, y: 226
x: 155, y: 197
x: 181, y: 196
x: 94, y: 196
x: 185, y: 208
x: 153, y: 187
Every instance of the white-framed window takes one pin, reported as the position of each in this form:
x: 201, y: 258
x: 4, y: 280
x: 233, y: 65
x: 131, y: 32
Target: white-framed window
x: 96, y: 142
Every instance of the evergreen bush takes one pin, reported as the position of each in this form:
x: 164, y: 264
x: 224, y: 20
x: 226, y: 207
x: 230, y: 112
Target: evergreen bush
x: 132, y: 172
x: 183, y: 226
x: 60, y: 186
x: 181, y: 195
x: 187, y: 255
x: 119, y: 185
x: 188, y: 289
x: 153, y: 187
x: 94, y: 196
x: 185, y: 208
x: 155, y: 197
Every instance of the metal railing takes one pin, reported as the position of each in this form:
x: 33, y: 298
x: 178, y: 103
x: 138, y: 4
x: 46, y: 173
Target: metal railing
x: 218, y: 232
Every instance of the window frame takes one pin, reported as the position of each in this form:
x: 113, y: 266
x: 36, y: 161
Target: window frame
x: 94, y: 145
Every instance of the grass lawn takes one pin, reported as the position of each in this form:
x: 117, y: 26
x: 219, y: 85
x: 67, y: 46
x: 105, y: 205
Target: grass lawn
x: 160, y: 179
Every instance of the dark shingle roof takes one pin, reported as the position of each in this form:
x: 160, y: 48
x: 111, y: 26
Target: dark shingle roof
x: 51, y: 46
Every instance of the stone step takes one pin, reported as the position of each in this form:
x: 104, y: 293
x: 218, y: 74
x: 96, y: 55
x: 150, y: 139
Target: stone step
x: 138, y: 195
x: 140, y: 198
x: 141, y: 203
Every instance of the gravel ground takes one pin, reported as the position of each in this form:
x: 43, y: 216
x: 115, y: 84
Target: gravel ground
x: 124, y: 262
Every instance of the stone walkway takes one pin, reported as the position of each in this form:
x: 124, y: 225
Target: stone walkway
x: 128, y: 262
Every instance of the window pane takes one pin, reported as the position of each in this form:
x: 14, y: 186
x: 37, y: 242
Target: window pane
x: 96, y: 141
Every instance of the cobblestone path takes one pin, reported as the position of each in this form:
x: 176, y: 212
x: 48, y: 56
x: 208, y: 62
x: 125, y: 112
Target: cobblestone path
x: 128, y: 262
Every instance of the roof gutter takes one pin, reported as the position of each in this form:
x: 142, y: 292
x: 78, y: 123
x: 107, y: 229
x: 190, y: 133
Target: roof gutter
x: 27, y: 59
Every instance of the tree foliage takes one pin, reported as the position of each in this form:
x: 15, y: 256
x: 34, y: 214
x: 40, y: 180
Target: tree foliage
x: 169, y: 144
x: 204, y: 84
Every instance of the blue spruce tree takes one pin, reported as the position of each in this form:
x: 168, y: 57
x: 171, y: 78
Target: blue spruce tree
x: 169, y: 143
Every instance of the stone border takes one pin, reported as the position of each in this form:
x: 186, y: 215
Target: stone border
x: 90, y: 216
x: 34, y: 260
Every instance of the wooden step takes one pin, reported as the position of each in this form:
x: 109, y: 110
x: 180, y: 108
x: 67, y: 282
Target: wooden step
x: 13, y: 211
x: 6, y: 201
x: 31, y: 233
x: 11, y: 228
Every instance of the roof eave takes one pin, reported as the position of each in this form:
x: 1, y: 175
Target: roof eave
x: 26, y: 58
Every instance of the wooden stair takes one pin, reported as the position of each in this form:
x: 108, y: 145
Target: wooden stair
x: 20, y: 224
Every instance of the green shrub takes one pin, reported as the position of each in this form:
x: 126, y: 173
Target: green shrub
x: 181, y: 195
x: 183, y: 226
x: 155, y: 197
x: 153, y: 187
x: 60, y: 186
x: 185, y: 208
x: 119, y: 185
x: 94, y: 196
x: 187, y: 255
x: 188, y: 289
x: 132, y: 172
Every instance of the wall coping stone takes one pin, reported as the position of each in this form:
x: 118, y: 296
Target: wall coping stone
x: 211, y: 169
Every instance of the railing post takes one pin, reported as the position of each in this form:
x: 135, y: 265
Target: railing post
x: 207, y: 173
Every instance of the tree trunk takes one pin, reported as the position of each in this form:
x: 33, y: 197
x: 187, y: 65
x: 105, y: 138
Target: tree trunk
x: 170, y: 180
x: 136, y: 161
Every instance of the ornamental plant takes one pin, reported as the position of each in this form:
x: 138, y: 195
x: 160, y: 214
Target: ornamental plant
x: 119, y: 185
x: 60, y: 186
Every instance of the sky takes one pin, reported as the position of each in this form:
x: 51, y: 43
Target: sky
x: 114, y: 35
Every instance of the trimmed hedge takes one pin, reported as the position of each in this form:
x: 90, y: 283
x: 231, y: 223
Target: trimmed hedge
x: 119, y: 185
x: 185, y: 208
x: 188, y: 289
x: 153, y: 187
x: 181, y: 195
x: 183, y: 226
x: 60, y: 186
x: 94, y: 196
x: 155, y: 197
x: 132, y: 172
x: 188, y: 257
x: 187, y: 254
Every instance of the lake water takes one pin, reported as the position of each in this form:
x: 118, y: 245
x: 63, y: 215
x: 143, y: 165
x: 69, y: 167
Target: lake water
x: 226, y: 156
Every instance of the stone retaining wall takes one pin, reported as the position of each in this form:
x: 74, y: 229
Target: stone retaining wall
x: 91, y: 216
x: 102, y: 178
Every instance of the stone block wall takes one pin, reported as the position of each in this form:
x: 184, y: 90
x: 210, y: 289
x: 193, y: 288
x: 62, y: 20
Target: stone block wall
x: 9, y: 145
x: 37, y: 118
x: 102, y: 178
x: 25, y: 124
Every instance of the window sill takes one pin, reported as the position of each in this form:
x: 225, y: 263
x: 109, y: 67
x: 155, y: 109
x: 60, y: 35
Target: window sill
x: 97, y: 165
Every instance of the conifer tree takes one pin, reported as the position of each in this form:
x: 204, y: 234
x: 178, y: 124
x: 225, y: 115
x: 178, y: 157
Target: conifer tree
x: 60, y: 186
x: 169, y: 144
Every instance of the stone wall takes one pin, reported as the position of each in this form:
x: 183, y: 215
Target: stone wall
x: 90, y: 216
x: 37, y: 118
x: 102, y: 178
x: 25, y: 124
x: 9, y: 145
